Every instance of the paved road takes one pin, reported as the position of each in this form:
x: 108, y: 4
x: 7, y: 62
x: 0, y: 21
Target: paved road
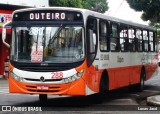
x: 119, y: 100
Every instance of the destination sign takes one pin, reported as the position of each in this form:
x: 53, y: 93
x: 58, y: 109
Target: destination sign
x: 47, y: 15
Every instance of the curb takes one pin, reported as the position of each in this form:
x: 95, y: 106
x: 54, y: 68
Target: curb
x: 153, y: 100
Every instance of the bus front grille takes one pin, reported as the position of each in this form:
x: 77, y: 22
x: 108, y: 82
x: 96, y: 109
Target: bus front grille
x: 46, y: 80
x: 43, y: 90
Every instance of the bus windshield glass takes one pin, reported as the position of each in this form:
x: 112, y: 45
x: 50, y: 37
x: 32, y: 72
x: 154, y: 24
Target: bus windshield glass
x: 51, y: 44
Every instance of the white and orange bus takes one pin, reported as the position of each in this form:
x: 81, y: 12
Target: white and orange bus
x: 71, y: 51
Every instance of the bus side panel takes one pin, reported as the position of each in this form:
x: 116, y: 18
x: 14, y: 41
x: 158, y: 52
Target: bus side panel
x: 123, y: 76
x: 93, y: 78
x: 147, y: 69
x: 135, y: 74
x: 150, y: 70
x: 152, y: 66
x: 118, y: 77
x: 112, y: 83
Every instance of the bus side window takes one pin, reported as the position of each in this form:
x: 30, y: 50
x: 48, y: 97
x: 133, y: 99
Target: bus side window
x: 145, y: 40
x: 139, y: 37
x: 91, y: 32
x: 103, y: 35
x: 131, y: 34
x: 155, y: 41
x: 124, y: 37
x: 114, y: 40
x: 151, y: 41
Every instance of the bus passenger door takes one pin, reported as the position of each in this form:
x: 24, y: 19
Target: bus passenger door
x: 91, y: 41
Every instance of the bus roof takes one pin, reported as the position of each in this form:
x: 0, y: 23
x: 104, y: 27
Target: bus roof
x: 87, y: 13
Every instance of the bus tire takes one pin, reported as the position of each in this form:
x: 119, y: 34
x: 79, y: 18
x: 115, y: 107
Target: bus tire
x: 103, y: 88
x: 140, y: 85
x: 43, y: 97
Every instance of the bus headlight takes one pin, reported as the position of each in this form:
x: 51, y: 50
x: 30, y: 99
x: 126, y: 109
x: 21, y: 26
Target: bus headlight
x: 13, y: 75
x: 73, y: 77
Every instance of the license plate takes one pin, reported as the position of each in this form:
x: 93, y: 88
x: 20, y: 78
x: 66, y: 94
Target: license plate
x: 42, y: 88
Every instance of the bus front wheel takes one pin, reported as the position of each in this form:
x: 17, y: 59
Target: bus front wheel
x: 103, y: 90
x: 42, y: 97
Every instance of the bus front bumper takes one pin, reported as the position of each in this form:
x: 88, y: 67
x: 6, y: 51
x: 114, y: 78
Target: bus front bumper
x: 76, y: 88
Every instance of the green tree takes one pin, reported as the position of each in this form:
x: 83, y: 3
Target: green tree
x: 66, y: 3
x: 95, y: 5
x: 150, y: 8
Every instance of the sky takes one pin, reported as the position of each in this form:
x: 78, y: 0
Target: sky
x: 38, y: 3
x: 117, y: 8
x: 120, y: 9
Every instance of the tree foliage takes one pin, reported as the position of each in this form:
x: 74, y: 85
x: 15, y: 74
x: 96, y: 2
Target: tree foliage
x: 150, y: 8
x: 66, y: 3
x: 95, y: 5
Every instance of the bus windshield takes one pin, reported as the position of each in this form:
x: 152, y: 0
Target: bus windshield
x: 59, y: 44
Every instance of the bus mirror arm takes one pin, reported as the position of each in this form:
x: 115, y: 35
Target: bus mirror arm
x: 4, y: 36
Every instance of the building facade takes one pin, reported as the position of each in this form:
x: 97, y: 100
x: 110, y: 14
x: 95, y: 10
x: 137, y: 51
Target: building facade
x: 6, y: 9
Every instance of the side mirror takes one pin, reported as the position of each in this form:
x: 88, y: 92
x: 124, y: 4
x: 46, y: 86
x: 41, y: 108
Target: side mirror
x: 94, y: 38
x: 4, y: 34
x: 92, y: 41
x: 159, y: 46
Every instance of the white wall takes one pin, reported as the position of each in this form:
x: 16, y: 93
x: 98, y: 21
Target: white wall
x: 36, y: 3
